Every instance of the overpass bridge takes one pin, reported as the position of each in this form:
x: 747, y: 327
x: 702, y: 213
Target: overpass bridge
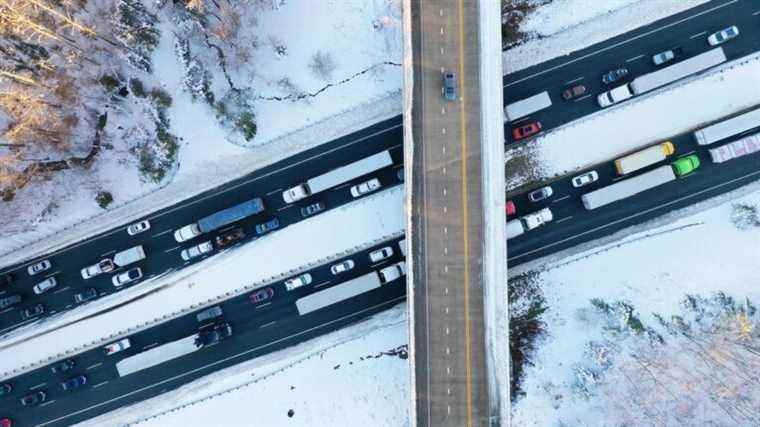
x: 455, y: 214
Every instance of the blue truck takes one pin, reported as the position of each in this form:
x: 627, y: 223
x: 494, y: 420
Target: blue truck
x: 219, y: 219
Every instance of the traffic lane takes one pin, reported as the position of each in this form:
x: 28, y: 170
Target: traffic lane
x: 637, y: 61
x: 280, y: 174
x: 708, y: 181
x: 238, y: 311
x: 160, y: 260
x: 679, y: 25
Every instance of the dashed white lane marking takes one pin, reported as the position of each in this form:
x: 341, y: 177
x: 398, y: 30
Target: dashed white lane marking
x: 560, y: 199
x: 756, y: 13
x: 172, y: 249
x: 285, y: 207
x: 53, y: 273
x: 635, y: 58
x: 100, y: 384
x: 698, y: 35
x: 441, y: 51
x: 38, y: 386
x: 567, y: 218
x: 265, y: 325
x: 274, y: 191
x: 444, y: 170
x: 441, y: 12
x: 91, y: 367
x: 444, y: 192
x: 159, y: 234
x: 582, y: 98
x: 445, y: 231
x: 445, y: 209
x: 322, y: 284
x: 47, y: 403
x: 441, y: 30
x: 443, y: 131
x: 577, y: 79
x: 262, y: 305
x: 150, y: 345
x: 110, y: 252
x: 62, y: 290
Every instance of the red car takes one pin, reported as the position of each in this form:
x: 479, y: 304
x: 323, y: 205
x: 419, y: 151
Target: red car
x: 526, y: 130
x: 261, y: 295
x: 6, y: 422
x: 511, y: 208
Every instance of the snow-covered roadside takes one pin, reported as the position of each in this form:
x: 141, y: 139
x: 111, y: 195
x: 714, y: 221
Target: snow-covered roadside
x: 370, y: 220
x: 730, y: 88
x: 696, y: 252
x: 206, y: 159
x: 564, y: 26
x: 322, y: 381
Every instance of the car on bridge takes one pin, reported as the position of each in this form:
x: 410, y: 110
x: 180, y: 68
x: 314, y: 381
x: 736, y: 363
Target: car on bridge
x: 117, y: 346
x: 6, y: 422
x: 32, y: 311
x: 33, y: 399
x: 527, y: 130
x: 196, y: 251
x: 585, y: 179
x: 39, y: 267
x: 666, y: 56
x: 229, y: 237
x: 127, y: 277
x: 450, y: 86
x: 74, y: 383
x: 85, y: 295
x: 261, y: 295
x: 103, y: 266
x: 312, y: 209
x: 542, y: 193
x: 213, y: 333
x: 365, y: 187
x: 298, y: 281
x: 138, y: 227
x: 573, y: 92
x: 45, y: 285
x: 342, y: 267
x: 266, y: 227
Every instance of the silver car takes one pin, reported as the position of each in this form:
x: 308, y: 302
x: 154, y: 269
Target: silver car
x: 196, y: 251
x: 542, y: 193
x: 298, y: 281
x: 128, y: 276
x: 450, y: 86
x: 585, y: 179
x: 342, y: 267
x: 365, y: 187
x: 39, y: 267
x: 723, y: 36
x: 45, y: 285
x: 381, y: 254
x: 138, y: 227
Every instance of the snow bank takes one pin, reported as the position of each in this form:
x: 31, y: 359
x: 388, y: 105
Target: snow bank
x: 220, y: 277
x: 608, y: 133
x: 565, y: 26
x: 653, y: 270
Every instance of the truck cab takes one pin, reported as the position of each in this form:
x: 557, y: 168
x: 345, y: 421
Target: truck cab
x: 296, y: 193
x: 187, y: 232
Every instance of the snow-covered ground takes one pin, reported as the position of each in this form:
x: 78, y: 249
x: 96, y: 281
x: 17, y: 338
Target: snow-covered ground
x: 730, y: 88
x: 362, y: 40
x: 564, y: 26
x: 693, y: 252
x: 355, y: 376
x: 370, y: 220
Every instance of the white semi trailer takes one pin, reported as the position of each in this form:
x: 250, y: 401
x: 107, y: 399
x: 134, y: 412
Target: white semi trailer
x: 527, y: 106
x: 728, y: 128
x: 738, y: 148
x: 338, y: 176
x: 628, y: 187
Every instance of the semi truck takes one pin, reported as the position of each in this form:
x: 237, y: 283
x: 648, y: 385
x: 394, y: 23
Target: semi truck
x: 738, y: 148
x: 728, y: 128
x: 527, y: 106
x: 129, y: 256
x: 663, y: 76
x: 632, y: 186
x: 219, y: 219
x: 338, y: 176
x: 528, y: 222
x: 644, y: 158
x: 345, y: 290
x: 207, y: 335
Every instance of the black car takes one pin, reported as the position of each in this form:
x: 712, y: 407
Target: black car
x: 614, y: 75
x: 5, y: 389
x: 62, y: 366
x: 229, y: 237
x: 32, y: 311
x: 6, y: 279
x: 33, y: 399
x: 8, y: 301
x: 312, y: 209
x: 74, y: 383
x: 213, y: 333
x: 85, y: 295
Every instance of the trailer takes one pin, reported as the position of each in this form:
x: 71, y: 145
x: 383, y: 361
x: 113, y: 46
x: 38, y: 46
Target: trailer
x: 156, y: 356
x: 518, y: 226
x: 338, y: 293
x: 628, y: 187
x: 738, y: 148
x: 728, y: 128
x: 677, y: 71
x: 644, y: 158
x: 230, y: 215
x: 338, y: 176
x: 129, y: 256
x: 527, y: 106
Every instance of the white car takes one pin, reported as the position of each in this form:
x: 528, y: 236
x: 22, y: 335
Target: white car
x: 393, y: 272
x: 365, y: 187
x: 104, y: 266
x: 187, y: 232
x: 117, y: 346
x: 298, y: 281
x: 138, y: 227
x: 381, y: 254
x: 39, y: 267
x: 128, y: 276
x: 723, y: 36
x: 585, y: 179
x: 45, y: 285
x: 342, y: 267
x: 196, y: 251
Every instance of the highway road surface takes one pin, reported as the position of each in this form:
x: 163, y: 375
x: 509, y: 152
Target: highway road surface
x: 450, y: 377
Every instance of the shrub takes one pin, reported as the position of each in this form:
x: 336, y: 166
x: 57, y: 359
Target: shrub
x: 104, y: 198
x: 161, y: 98
x: 109, y: 82
x: 137, y: 88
